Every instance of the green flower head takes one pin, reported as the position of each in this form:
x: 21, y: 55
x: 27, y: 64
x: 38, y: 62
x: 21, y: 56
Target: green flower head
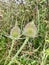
x: 15, y: 32
x: 30, y: 30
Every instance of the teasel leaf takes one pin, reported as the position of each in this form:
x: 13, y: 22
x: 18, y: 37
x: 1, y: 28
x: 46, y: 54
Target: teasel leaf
x: 30, y: 30
x: 15, y: 32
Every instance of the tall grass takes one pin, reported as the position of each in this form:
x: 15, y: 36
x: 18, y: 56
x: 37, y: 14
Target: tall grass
x: 24, y: 33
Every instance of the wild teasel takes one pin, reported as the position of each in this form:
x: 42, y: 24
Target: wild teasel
x: 15, y: 32
x: 14, y: 35
x: 30, y: 30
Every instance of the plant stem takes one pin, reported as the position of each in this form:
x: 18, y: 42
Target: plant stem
x: 44, y: 57
x: 37, y: 15
x: 9, y: 52
x: 25, y: 42
x: 11, y: 47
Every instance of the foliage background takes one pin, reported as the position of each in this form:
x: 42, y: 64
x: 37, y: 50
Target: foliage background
x: 37, y: 10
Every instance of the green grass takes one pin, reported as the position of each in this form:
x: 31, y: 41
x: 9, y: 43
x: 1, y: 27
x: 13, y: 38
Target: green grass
x: 18, y: 46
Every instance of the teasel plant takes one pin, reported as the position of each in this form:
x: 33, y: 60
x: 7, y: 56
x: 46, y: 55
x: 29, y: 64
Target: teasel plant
x: 30, y: 31
x: 14, y: 35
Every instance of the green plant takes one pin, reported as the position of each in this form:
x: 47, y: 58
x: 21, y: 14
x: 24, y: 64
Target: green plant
x: 28, y: 34
x: 24, y: 33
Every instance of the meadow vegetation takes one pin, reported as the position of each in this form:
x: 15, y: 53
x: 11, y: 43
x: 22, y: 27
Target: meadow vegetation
x: 24, y: 33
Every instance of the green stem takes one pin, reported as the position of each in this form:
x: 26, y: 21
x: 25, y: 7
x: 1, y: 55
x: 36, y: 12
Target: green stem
x: 9, y: 52
x: 37, y: 15
x: 44, y: 57
x: 11, y: 47
x: 25, y: 42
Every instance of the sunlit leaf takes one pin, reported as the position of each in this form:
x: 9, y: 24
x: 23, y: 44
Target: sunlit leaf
x: 47, y: 51
x: 47, y: 41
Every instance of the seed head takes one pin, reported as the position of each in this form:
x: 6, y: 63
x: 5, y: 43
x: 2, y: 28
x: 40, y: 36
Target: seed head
x: 15, y: 32
x: 30, y: 30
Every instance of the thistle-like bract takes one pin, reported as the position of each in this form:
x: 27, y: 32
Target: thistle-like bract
x: 30, y: 30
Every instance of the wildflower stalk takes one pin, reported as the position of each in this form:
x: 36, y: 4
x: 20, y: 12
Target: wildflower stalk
x: 12, y: 60
x: 11, y: 47
x: 9, y: 52
x: 14, y: 35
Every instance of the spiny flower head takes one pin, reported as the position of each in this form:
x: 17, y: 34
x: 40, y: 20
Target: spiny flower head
x: 30, y: 30
x: 15, y: 32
